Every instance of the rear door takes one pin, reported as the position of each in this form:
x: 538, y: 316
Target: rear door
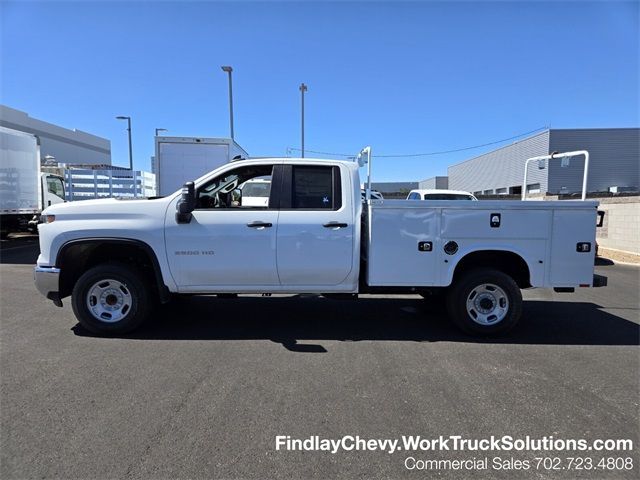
x: 315, y: 238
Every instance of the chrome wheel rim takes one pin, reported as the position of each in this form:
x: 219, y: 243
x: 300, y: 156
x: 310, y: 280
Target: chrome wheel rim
x: 487, y: 304
x: 109, y: 300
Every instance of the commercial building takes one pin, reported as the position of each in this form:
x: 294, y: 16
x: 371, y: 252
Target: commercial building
x: 64, y: 145
x: 433, y: 183
x: 614, y: 164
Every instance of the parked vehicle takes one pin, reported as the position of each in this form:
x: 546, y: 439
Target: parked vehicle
x: 255, y: 193
x: 24, y: 189
x: 116, y: 259
x: 375, y: 195
x: 440, y: 195
x: 180, y: 159
x: 86, y: 182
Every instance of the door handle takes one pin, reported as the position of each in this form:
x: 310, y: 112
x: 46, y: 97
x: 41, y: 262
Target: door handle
x: 259, y: 225
x: 335, y: 225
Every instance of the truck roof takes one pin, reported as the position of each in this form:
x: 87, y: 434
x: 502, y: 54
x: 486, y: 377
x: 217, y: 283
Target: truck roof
x: 350, y: 163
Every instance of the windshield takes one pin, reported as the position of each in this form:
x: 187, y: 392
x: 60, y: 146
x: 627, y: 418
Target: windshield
x: 447, y: 196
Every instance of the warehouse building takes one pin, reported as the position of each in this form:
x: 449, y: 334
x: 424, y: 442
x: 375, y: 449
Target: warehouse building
x: 64, y: 145
x: 434, y: 183
x: 614, y: 164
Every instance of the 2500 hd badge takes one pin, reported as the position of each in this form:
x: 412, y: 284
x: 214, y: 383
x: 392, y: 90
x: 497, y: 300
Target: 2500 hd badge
x: 194, y: 252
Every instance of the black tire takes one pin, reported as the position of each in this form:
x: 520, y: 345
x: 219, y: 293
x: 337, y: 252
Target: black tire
x: 502, y: 307
x: 434, y: 301
x: 127, y: 283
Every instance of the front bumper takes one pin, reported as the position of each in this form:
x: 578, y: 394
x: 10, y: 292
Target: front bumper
x: 47, y: 282
x: 598, y: 281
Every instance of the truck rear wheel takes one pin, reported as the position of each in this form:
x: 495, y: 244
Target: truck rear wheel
x: 110, y: 299
x: 485, y: 302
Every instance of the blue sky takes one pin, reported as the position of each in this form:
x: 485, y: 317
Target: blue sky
x: 401, y: 77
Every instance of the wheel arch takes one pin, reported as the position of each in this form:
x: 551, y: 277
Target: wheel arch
x: 506, y: 261
x: 76, y: 256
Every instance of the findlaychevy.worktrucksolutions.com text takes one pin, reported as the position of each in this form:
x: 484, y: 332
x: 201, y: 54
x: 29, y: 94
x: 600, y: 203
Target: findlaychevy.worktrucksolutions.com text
x: 505, y: 443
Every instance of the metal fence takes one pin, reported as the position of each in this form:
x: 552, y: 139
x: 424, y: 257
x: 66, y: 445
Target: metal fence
x: 85, y: 184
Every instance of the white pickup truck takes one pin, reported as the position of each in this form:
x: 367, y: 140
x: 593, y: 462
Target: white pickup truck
x: 119, y: 258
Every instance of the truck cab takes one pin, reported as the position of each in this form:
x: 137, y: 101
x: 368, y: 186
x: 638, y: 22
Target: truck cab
x: 301, y: 236
x: 52, y: 187
x: 52, y: 192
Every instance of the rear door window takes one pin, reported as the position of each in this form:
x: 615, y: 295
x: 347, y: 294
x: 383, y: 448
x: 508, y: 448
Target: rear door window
x: 316, y: 188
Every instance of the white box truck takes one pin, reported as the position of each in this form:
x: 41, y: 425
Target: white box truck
x: 24, y: 189
x: 181, y: 159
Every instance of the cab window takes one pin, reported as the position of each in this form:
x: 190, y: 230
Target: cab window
x: 246, y: 187
x: 316, y: 187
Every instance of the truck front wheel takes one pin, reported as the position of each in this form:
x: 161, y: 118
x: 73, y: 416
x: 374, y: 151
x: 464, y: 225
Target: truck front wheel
x: 110, y: 299
x: 485, y: 302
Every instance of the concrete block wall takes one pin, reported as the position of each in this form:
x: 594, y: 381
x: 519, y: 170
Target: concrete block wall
x: 621, y: 227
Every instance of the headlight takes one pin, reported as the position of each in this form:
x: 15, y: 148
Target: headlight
x: 47, y: 218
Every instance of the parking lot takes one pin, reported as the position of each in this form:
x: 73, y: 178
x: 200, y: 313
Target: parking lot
x: 203, y: 390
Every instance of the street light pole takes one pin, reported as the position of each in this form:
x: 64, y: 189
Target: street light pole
x: 303, y: 88
x: 228, y: 69
x: 128, y: 119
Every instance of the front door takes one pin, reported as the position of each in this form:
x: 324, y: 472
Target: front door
x: 227, y: 246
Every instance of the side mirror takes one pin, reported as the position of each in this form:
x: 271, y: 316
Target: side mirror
x: 186, y: 204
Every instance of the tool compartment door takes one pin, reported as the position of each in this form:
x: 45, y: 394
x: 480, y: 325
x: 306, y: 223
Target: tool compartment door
x: 570, y: 267
x: 404, y: 246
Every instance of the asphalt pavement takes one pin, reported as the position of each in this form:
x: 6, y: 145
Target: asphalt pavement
x: 203, y: 390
